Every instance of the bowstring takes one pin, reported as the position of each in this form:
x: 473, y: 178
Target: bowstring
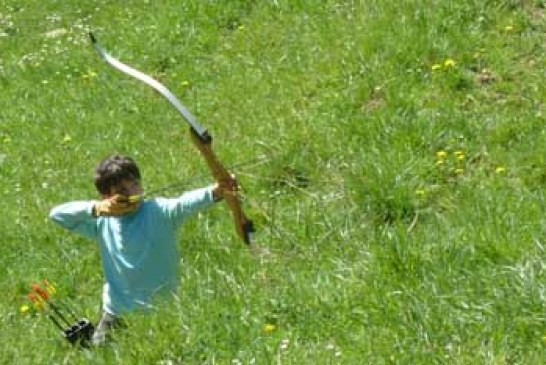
x: 184, y: 182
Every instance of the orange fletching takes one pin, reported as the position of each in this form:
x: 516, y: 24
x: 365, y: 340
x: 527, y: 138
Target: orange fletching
x: 40, y: 291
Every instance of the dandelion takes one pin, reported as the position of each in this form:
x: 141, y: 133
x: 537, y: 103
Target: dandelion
x: 500, y: 170
x: 441, y: 155
x: 24, y: 309
x: 436, y: 67
x: 459, y: 155
x: 268, y: 328
x: 459, y: 171
x: 449, y: 63
x: 89, y: 75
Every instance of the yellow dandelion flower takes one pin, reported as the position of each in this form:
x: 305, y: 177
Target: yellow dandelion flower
x: 441, y: 155
x: 459, y: 155
x: 268, y: 328
x: 436, y: 67
x: 439, y: 162
x: 24, y: 309
x: 459, y: 171
x: 448, y: 63
x: 500, y: 170
x: 90, y: 75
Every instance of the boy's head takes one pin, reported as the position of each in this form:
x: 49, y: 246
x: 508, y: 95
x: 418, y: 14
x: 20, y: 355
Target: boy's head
x: 117, y: 174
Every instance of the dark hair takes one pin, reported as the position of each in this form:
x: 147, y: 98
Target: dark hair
x: 112, y: 170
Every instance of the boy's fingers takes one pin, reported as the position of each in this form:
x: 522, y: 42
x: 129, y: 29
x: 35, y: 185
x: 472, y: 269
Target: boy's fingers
x: 118, y: 198
x: 123, y: 207
x: 116, y: 205
x: 229, y: 183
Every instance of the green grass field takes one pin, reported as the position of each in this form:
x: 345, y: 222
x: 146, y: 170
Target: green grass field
x: 391, y: 154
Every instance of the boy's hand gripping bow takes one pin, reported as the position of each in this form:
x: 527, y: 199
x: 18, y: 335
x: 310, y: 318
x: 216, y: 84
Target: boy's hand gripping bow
x: 203, y: 140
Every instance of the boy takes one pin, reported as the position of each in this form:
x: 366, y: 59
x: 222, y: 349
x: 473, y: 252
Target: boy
x: 136, y: 237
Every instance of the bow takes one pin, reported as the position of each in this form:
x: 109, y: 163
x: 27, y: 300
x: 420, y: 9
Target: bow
x: 243, y: 226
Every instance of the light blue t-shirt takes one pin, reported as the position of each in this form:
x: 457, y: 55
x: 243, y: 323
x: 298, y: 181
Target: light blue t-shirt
x: 138, y: 250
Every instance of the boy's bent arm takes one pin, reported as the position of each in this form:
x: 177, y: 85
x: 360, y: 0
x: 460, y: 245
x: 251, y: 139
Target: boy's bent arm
x: 76, y: 217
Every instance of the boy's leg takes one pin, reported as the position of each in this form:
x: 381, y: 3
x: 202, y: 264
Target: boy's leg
x: 106, y: 323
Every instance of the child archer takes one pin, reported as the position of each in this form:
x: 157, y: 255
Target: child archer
x: 136, y: 237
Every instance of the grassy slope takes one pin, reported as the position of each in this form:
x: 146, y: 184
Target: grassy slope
x: 378, y: 252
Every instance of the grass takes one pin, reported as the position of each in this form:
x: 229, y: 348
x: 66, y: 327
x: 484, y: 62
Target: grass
x: 392, y: 156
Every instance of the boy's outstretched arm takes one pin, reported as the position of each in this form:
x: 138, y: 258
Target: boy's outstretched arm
x: 184, y: 206
x: 76, y: 217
